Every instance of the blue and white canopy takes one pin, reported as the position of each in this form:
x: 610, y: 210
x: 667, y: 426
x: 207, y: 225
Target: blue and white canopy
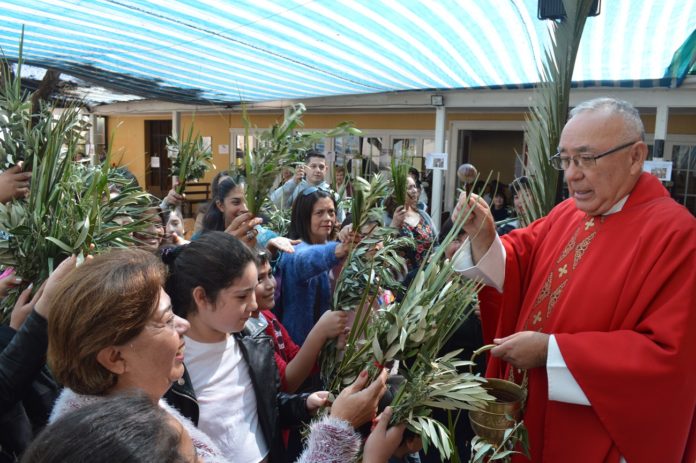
x: 259, y: 50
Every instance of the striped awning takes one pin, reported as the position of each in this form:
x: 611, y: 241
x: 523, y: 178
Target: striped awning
x: 260, y: 50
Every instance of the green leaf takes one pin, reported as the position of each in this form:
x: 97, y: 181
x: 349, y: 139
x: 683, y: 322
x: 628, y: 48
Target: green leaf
x: 60, y: 244
x: 482, y: 451
x: 502, y: 455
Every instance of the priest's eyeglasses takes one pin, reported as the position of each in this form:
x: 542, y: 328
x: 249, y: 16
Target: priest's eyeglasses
x: 583, y: 161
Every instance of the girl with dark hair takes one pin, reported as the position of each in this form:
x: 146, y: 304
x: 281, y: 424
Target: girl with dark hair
x: 212, y: 284
x: 228, y: 212
x: 124, y: 427
x: 202, y: 210
x: 305, y: 285
x: 499, y: 207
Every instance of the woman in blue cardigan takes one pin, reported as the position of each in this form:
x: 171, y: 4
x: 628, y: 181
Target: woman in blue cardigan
x: 304, y: 275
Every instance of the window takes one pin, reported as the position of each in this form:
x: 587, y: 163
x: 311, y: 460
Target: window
x: 684, y: 175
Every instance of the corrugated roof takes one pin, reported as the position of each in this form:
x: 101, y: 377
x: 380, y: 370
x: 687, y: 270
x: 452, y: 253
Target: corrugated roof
x: 259, y: 50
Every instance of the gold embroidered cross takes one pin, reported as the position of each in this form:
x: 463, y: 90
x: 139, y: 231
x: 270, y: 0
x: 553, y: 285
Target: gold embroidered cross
x: 537, y: 317
x: 589, y: 224
x: 562, y: 270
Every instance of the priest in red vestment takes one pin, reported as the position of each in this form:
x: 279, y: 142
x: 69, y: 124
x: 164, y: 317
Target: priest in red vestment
x: 598, y: 302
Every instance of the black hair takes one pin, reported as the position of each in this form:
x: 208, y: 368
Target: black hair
x: 214, y: 219
x: 519, y: 184
x: 213, y: 261
x: 216, y: 182
x: 446, y: 228
x: 500, y: 192
x: 122, y: 428
x: 166, y: 214
x: 301, y: 216
x: 213, y: 191
x: 314, y: 154
x: 262, y: 257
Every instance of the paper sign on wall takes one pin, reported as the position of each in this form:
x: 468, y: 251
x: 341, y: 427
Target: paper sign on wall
x: 436, y: 161
x: 223, y: 149
x: 660, y: 169
x: 155, y: 162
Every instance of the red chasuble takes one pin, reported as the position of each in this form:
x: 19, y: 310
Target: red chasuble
x: 619, y: 294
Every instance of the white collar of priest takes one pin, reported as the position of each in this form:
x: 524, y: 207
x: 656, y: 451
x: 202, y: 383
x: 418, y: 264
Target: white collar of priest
x: 617, y: 207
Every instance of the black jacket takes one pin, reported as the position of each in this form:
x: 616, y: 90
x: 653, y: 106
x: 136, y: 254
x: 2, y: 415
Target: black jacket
x: 275, y: 409
x: 27, y: 389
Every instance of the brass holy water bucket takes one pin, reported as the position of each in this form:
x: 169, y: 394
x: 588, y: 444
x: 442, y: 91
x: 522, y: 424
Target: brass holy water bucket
x: 502, y: 414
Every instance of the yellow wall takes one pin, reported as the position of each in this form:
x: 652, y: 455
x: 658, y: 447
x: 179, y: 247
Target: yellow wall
x: 216, y: 127
x: 677, y: 124
x: 490, y: 151
x: 493, y: 151
x: 128, y: 147
x: 682, y: 124
x: 485, y: 117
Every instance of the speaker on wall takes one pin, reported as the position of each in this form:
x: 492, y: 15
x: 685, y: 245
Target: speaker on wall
x: 553, y: 9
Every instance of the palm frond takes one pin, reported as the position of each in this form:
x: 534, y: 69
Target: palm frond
x: 191, y: 160
x: 279, y: 146
x: 549, y: 109
x: 414, y: 331
x: 70, y: 207
x: 399, y: 173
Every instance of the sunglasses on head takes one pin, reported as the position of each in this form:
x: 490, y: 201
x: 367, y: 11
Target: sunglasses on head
x: 313, y: 189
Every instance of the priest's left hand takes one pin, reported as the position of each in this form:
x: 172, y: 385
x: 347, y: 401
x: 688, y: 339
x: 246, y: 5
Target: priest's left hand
x: 524, y: 350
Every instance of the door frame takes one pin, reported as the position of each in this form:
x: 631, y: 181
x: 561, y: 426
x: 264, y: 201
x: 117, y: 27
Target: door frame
x: 454, y: 127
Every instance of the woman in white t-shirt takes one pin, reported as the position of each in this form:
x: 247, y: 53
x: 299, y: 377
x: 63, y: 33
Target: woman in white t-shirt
x: 235, y: 379
x: 236, y: 400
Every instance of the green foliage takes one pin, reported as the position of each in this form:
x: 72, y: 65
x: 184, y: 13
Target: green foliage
x: 278, y: 219
x: 483, y: 451
x: 193, y: 159
x: 399, y: 172
x: 20, y: 137
x: 366, y: 264
x: 549, y: 109
x: 279, y: 146
x: 376, y: 262
x: 69, y: 208
x: 437, y: 384
x: 371, y: 266
x: 414, y: 331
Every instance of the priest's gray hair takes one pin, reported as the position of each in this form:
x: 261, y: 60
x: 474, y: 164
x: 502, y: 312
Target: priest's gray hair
x: 630, y: 115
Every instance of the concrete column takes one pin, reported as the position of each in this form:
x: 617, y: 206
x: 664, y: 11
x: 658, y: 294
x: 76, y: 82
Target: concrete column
x: 176, y: 130
x: 437, y: 188
x: 660, y: 131
x: 176, y: 124
x: 93, y: 139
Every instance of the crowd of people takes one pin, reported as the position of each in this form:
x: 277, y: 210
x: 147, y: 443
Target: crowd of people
x: 207, y: 350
